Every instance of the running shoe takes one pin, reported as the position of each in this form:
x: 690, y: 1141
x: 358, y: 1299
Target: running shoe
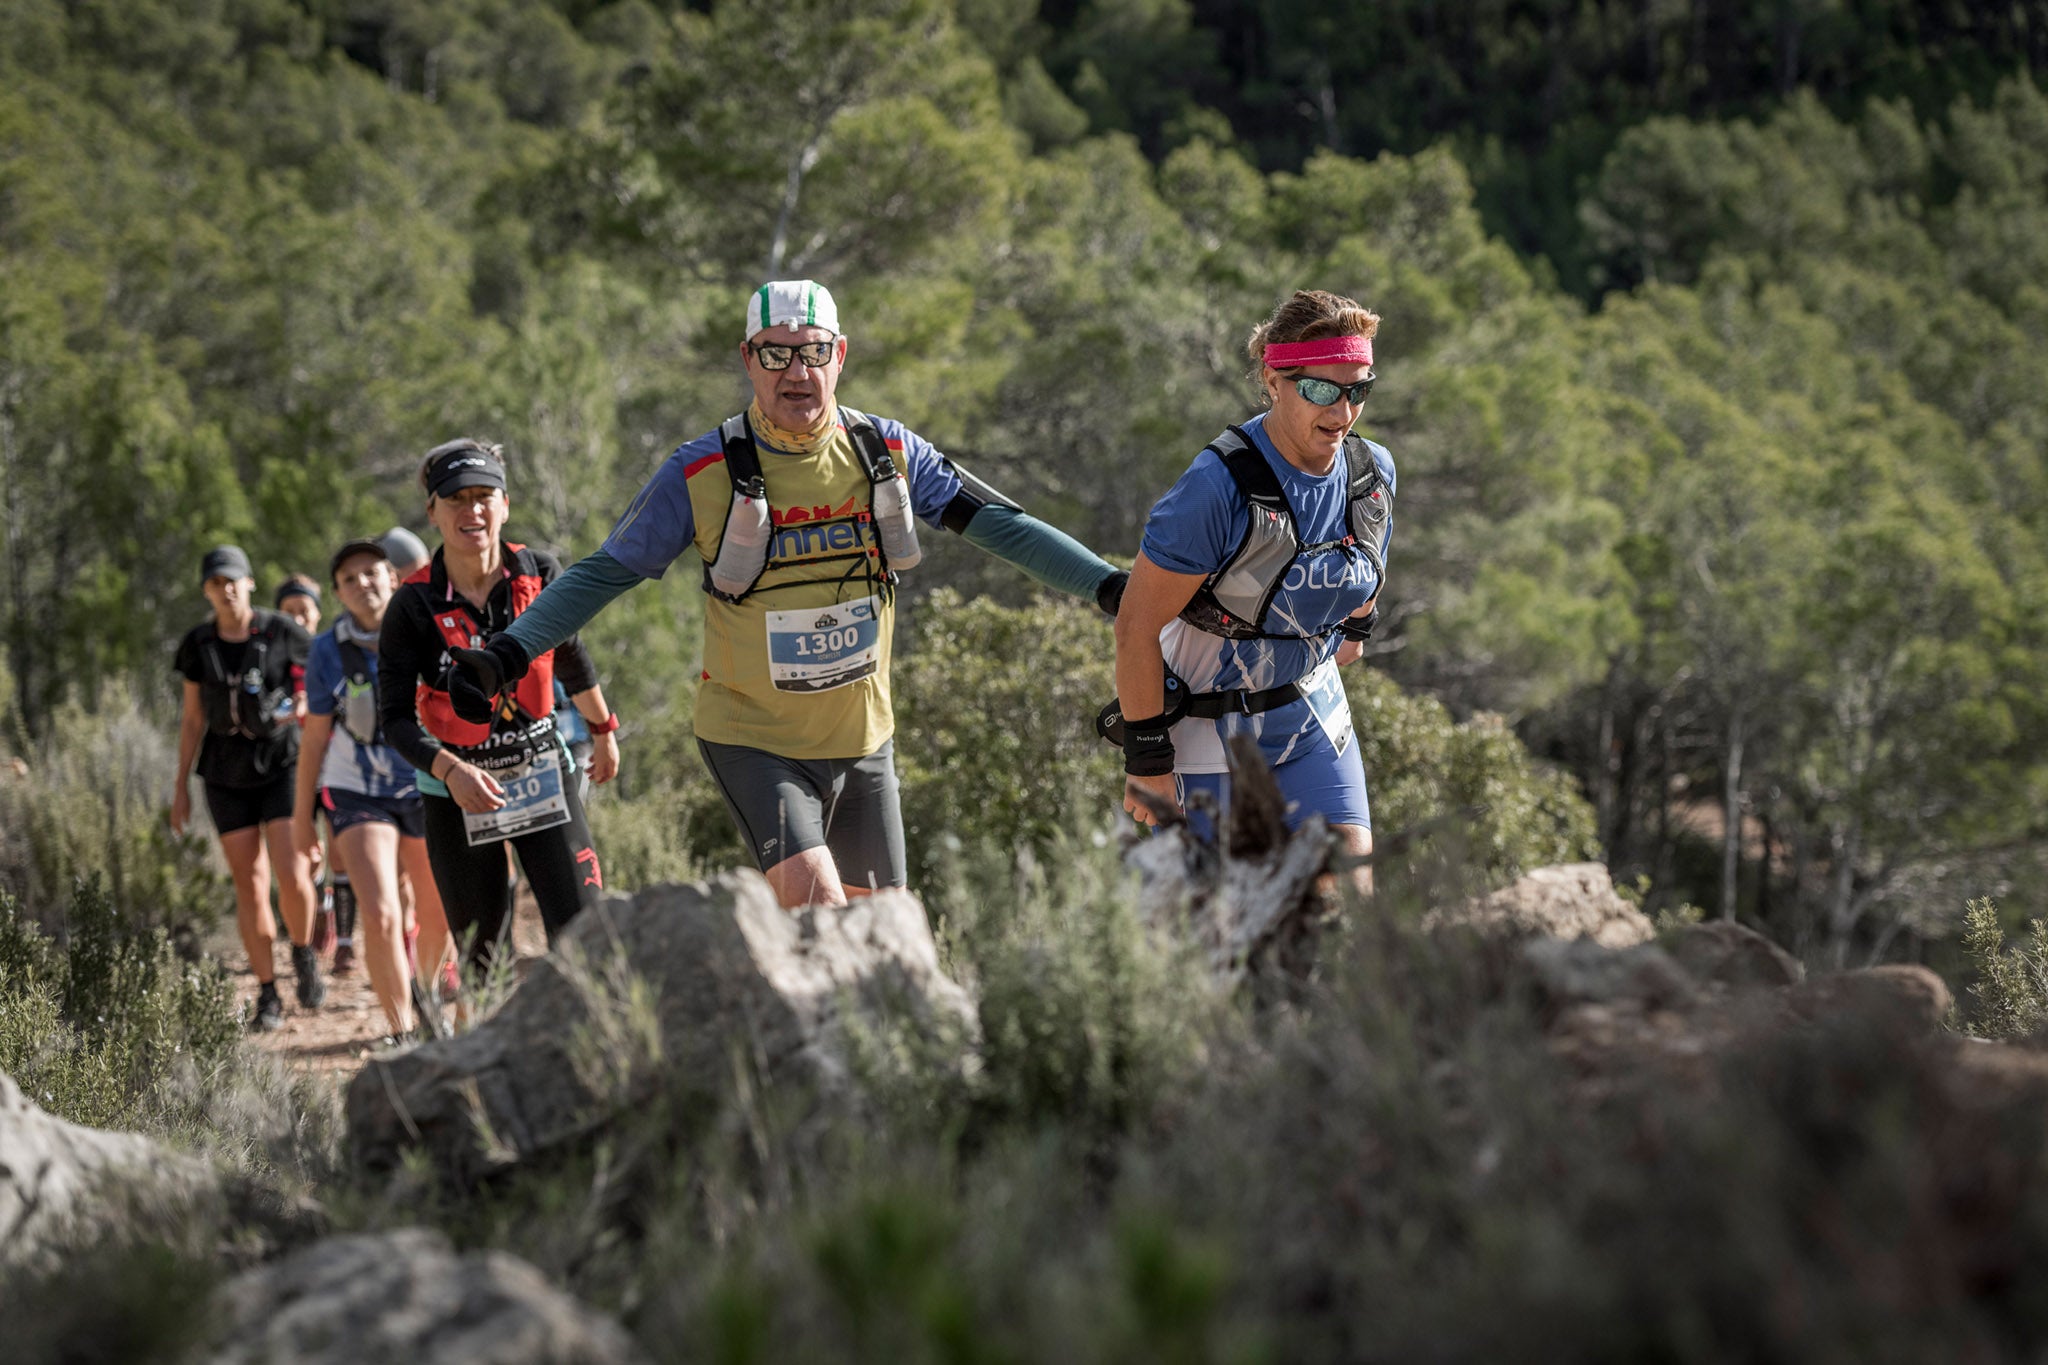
x: 344, y: 957
x: 269, y: 1009
x: 306, y: 965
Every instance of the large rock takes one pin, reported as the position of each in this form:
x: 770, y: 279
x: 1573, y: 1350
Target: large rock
x: 1577, y: 900
x: 677, y: 986
x: 58, y: 1177
x: 1896, y: 998
x: 1727, y: 954
x: 406, y: 1296
x: 1581, y: 971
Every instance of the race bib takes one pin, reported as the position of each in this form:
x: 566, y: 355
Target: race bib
x: 1323, y: 689
x: 533, y: 800
x: 819, y: 648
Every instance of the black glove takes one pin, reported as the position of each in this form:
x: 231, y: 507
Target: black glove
x: 476, y: 676
x: 1109, y: 593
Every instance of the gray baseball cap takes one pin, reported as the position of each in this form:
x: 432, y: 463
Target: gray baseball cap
x: 403, y: 548
x: 225, y: 561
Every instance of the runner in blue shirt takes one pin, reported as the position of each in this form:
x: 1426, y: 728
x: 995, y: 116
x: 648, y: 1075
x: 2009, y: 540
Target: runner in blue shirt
x: 1256, y: 580
x: 365, y: 786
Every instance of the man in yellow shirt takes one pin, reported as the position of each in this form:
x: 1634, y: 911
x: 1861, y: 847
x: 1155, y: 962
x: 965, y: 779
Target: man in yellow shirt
x: 804, y: 513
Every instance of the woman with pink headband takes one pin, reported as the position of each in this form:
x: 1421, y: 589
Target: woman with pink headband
x: 1256, y: 581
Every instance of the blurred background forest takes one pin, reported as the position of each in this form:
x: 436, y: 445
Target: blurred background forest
x: 1712, y: 361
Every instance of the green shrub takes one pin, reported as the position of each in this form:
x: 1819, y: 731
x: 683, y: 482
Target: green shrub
x: 1423, y: 767
x: 119, y: 1300
x: 996, y: 744
x: 110, y: 1032
x: 995, y: 726
x: 2011, y: 989
x: 1087, y: 1019
x: 92, y: 799
x: 662, y: 819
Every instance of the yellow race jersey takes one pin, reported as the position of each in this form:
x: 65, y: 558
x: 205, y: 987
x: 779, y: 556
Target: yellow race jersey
x: 800, y: 666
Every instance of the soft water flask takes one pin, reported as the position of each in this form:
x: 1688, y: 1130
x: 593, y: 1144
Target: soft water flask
x: 893, y: 520
x: 744, y: 548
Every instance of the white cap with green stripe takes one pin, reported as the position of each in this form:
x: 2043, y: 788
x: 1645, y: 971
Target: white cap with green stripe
x: 797, y: 303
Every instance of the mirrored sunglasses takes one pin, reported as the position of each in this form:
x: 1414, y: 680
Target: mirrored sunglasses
x: 816, y: 354
x: 1324, y: 392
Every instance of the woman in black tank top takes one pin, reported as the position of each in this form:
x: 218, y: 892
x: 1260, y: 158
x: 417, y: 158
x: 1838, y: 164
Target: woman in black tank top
x: 244, y: 671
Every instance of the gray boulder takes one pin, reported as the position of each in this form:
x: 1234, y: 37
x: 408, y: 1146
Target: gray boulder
x: 1729, y: 955
x: 1577, y: 900
x: 689, y: 989
x: 57, y: 1178
x: 406, y: 1296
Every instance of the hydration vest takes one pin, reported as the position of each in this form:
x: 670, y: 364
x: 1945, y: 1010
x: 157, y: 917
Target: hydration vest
x: 357, y: 713
x: 531, y: 698
x: 244, y: 705
x: 749, y: 526
x: 1233, y: 601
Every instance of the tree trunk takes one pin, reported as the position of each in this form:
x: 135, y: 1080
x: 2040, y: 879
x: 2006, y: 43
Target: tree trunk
x: 1326, y: 108
x: 801, y: 159
x: 1845, y: 841
x: 1607, y: 770
x: 1790, y: 30
x: 1731, y: 815
x: 18, y: 633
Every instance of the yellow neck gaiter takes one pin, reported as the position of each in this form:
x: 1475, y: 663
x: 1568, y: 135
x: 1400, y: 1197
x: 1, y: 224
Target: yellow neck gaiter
x: 782, y: 438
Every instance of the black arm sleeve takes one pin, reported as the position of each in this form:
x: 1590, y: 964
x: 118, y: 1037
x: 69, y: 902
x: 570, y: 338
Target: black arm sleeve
x: 408, y: 653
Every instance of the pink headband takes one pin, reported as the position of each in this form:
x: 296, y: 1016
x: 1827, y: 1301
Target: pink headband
x: 1351, y: 350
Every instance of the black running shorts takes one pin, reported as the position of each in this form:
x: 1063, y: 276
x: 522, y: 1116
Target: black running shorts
x: 234, y: 808
x: 345, y: 810
x: 784, y: 806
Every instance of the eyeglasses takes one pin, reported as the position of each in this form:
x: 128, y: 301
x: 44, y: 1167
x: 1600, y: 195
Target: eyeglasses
x: 816, y: 354
x: 1324, y: 392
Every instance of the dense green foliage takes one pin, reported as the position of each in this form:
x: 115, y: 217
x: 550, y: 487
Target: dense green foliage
x: 1754, y: 547
x: 96, y: 1030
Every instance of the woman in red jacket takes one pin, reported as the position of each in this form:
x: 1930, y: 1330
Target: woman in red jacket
x: 506, y: 780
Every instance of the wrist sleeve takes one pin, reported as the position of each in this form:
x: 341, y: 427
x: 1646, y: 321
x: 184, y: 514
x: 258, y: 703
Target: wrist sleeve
x: 1148, y: 747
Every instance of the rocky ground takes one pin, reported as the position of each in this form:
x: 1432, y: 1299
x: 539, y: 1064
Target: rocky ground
x: 335, y: 1039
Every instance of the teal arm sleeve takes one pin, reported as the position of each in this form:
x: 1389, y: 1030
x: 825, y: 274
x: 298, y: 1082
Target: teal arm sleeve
x: 1045, y: 552
x: 565, y: 605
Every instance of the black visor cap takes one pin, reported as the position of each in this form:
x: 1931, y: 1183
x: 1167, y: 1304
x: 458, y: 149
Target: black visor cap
x: 462, y: 464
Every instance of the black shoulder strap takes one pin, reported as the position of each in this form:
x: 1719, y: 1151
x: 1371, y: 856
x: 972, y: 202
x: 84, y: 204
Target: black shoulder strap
x: 742, y: 459
x: 1363, y: 470
x: 354, y: 661
x: 209, y: 650
x: 261, y: 631
x: 868, y: 444
x: 1249, y: 470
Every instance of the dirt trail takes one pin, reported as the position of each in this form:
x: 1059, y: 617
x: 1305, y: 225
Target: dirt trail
x: 334, y: 1039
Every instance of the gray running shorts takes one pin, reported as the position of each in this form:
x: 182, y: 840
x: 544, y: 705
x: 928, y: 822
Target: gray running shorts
x: 784, y: 806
